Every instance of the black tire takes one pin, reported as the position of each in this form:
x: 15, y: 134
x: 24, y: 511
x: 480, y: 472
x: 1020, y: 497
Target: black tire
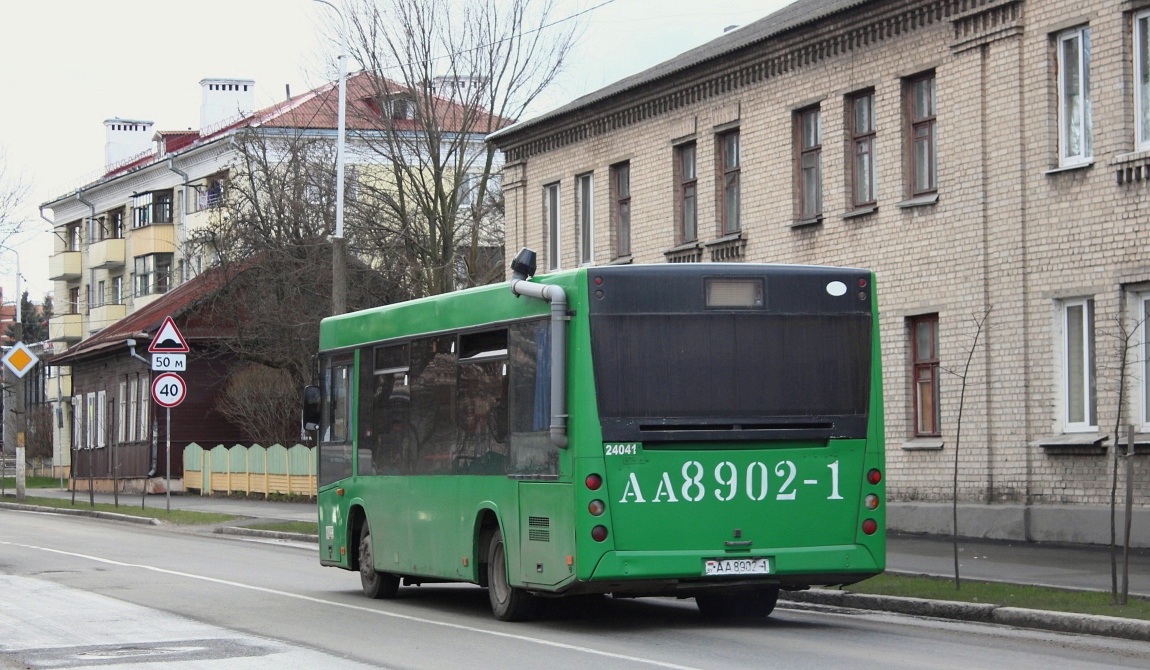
x: 755, y: 603
x: 375, y: 584
x: 508, y: 603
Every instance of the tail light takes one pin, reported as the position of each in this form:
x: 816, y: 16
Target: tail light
x: 593, y: 482
x: 873, y: 476
x: 871, y: 501
x: 599, y: 533
x: 596, y: 507
x: 868, y: 527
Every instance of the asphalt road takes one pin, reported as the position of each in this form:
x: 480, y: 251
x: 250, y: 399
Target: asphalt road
x: 81, y: 593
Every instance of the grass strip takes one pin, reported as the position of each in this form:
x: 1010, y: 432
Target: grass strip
x: 1006, y: 595
x: 181, y: 517
x: 305, y: 527
x: 9, y: 483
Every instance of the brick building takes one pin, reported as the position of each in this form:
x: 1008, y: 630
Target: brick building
x: 982, y: 156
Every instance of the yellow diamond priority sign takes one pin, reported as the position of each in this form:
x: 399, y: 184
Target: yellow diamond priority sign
x: 20, y: 360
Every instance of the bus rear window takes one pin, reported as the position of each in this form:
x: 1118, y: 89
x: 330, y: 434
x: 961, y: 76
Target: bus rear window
x: 736, y: 367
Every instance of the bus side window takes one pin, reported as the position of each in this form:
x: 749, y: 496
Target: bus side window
x: 335, y: 442
x: 481, y: 446
x: 430, y: 436
x: 532, y: 452
x: 384, y: 404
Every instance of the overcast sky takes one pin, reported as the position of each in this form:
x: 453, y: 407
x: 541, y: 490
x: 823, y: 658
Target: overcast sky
x: 67, y: 65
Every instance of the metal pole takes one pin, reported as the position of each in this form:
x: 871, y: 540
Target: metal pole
x: 1129, y: 511
x: 112, y: 453
x: 168, y: 463
x: 338, y: 245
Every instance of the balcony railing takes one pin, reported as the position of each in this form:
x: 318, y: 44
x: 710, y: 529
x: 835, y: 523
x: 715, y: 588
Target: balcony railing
x: 106, y: 254
x: 66, y: 328
x: 64, y: 265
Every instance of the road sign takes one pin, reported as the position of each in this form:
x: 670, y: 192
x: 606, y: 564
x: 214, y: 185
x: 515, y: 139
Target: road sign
x: 169, y: 362
x: 168, y: 339
x: 20, y: 360
x: 168, y: 390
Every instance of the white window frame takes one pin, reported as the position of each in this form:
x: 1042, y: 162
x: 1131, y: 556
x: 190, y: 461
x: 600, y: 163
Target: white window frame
x: 1089, y: 423
x: 1142, y: 367
x: 133, y: 408
x: 585, y: 197
x: 553, y: 213
x: 145, y: 398
x: 1141, y: 27
x: 101, y: 418
x: 1086, y: 151
x: 90, y: 421
x: 123, y: 414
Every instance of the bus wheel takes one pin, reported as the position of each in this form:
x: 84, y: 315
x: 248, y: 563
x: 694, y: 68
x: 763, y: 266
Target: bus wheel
x: 758, y: 603
x: 375, y: 584
x: 508, y: 603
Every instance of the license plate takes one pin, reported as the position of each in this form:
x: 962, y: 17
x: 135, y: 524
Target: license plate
x: 737, y: 566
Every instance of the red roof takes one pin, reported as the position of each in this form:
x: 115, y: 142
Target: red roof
x: 142, y: 323
x: 319, y: 109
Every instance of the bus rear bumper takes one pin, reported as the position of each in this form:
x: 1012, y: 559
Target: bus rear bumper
x: 676, y: 572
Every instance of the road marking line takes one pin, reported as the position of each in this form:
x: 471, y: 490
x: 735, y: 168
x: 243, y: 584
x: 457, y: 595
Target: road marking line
x: 359, y: 608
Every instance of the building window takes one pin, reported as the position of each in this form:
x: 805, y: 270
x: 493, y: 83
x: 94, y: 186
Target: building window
x: 924, y: 380
x: 862, y: 134
x: 122, y: 401
x: 90, y: 421
x: 145, y: 406
x: 73, y: 237
x: 101, y: 418
x: 585, y: 199
x: 729, y: 170
x: 687, y: 179
x: 1074, y: 122
x: 153, y: 274
x: 621, y: 212
x: 551, y: 205
x: 1142, y: 80
x: 1078, y: 365
x: 133, y: 409
x: 152, y: 207
x: 99, y: 294
x: 1144, y: 326
x: 117, y: 295
x: 116, y: 223
x: 74, y: 300
x: 810, y: 178
x: 920, y: 112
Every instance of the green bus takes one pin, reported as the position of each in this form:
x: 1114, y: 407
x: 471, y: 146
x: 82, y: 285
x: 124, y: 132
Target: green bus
x: 688, y: 430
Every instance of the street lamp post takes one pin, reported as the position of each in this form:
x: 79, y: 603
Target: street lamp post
x: 338, y: 244
x: 18, y: 395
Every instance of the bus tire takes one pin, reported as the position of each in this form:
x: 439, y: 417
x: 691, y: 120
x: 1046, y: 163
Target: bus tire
x: 375, y: 584
x: 508, y: 603
x: 755, y: 603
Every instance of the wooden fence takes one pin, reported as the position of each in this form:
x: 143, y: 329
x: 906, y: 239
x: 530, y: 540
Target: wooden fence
x: 255, y: 469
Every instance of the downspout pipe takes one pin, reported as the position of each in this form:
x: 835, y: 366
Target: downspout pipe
x: 521, y: 268
x: 80, y: 197
x: 183, y: 204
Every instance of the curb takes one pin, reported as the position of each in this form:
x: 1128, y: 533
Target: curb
x: 269, y: 534
x: 1062, y: 622
x: 107, y: 516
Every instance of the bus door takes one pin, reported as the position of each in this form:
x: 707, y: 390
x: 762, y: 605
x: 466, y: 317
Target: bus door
x: 334, y: 460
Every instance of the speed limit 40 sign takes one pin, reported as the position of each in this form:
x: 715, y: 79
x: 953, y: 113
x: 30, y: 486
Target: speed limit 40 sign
x: 168, y: 389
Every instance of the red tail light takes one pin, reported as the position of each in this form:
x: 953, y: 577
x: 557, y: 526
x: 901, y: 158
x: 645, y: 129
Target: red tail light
x: 593, y: 482
x: 599, y: 533
x: 868, y: 527
x: 873, y: 476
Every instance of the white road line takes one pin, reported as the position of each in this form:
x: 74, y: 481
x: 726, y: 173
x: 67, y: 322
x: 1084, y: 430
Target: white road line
x: 358, y: 608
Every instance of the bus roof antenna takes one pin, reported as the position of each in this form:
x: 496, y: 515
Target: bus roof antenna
x: 523, y: 265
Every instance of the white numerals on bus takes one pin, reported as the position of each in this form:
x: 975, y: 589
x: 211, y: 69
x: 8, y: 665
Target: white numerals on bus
x: 726, y: 478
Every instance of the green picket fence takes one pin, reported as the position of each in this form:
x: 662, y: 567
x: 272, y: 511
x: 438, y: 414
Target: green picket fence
x: 254, y: 469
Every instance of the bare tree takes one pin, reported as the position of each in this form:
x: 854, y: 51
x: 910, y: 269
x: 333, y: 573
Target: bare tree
x: 14, y: 190
x: 440, y: 75
x: 264, y: 402
x: 964, y: 376
x: 270, y: 243
x: 1126, y: 342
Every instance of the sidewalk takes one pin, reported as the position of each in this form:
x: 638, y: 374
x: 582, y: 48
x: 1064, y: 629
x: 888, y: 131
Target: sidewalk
x: 261, y: 509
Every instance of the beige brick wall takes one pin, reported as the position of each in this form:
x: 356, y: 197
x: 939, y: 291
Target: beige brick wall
x: 1003, y: 235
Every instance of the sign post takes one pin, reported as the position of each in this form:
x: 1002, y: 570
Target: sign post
x: 20, y: 360
x: 169, y: 352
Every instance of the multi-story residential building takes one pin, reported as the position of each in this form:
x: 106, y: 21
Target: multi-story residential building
x: 989, y: 159
x: 127, y: 238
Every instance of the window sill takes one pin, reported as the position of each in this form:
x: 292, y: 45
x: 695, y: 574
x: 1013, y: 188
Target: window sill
x: 919, y: 201
x: 1070, y: 168
x: 1132, y: 157
x: 1074, y: 443
x: 861, y: 211
x: 729, y: 237
x: 923, y: 444
x: 803, y: 223
x: 622, y: 260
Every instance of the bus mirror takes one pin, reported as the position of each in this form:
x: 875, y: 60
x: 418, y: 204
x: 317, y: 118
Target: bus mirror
x: 312, y: 403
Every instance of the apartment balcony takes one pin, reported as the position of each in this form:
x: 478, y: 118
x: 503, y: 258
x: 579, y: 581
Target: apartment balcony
x: 158, y: 238
x: 106, y: 254
x: 59, y: 387
x: 66, y: 328
x: 105, y: 315
x: 64, y: 265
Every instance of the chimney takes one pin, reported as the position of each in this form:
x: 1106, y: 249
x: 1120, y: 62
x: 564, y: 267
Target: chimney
x: 124, y: 138
x: 225, y: 99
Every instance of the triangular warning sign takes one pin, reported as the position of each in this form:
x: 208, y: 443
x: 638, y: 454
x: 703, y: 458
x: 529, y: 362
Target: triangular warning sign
x: 168, y: 339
